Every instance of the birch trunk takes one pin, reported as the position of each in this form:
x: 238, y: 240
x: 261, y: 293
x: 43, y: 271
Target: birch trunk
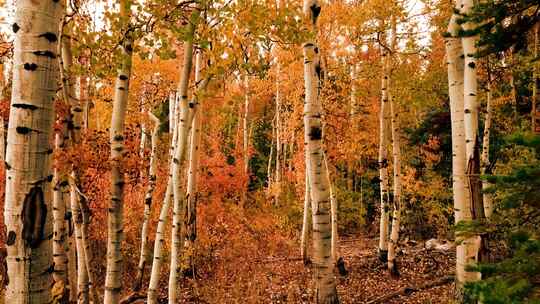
x: 193, y: 164
x: 278, y: 131
x: 148, y: 199
x: 164, y: 213
x: 456, y: 66
x: 60, y: 258
x: 535, y: 117
x: 115, y: 222
x: 333, y: 214
x: 83, y: 286
x: 245, y: 148
x: 2, y: 138
x: 305, y: 222
x: 270, y: 157
x: 485, y: 163
x: 383, y: 162
x: 323, y: 265
x: 28, y: 192
x: 396, y: 154
x: 177, y: 236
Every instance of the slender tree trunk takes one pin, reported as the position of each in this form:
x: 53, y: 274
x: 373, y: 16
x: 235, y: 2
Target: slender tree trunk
x: 193, y: 162
x: 115, y: 223
x: 333, y: 214
x: 383, y: 161
x: 455, y: 55
x: 323, y: 265
x: 485, y: 163
x: 164, y: 213
x: 396, y: 155
x: 28, y: 191
x: 279, y: 156
x: 535, y: 116
x: 83, y: 285
x: 177, y: 236
x: 245, y: 129
x: 305, y: 221
x: 270, y: 156
x: 2, y: 139
x: 148, y: 199
x: 60, y: 235
x: 396, y: 217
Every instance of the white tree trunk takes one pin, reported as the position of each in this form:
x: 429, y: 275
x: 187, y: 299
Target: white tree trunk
x: 323, y: 265
x: 177, y: 236
x: 148, y: 199
x: 333, y: 213
x: 396, y: 154
x: 305, y: 221
x: 245, y: 131
x: 60, y: 235
x: 383, y: 162
x: 455, y: 55
x: 28, y: 192
x: 485, y: 162
x: 115, y: 223
x: 157, y: 260
x: 194, y: 154
x: 279, y: 156
x: 535, y: 117
x: 83, y: 285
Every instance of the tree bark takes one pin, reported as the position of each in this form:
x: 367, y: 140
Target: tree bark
x: 485, y: 163
x: 383, y: 161
x: 323, y: 265
x: 115, y: 223
x: 193, y: 162
x: 456, y: 65
x: 148, y: 199
x: 164, y: 213
x: 28, y: 192
x: 396, y: 155
x: 177, y: 236
x: 535, y: 115
x: 305, y: 221
x: 245, y: 132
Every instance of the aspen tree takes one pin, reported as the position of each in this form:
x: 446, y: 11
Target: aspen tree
x: 28, y: 191
x: 383, y: 161
x: 60, y: 234
x: 456, y: 66
x: 245, y: 134
x: 193, y: 162
x: 485, y: 162
x: 115, y: 222
x: 177, y: 237
x: 396, y: 155
x: 305, y: 221
x: 158, y: 257
x: 323, y: 265
x: 148, y: 199
x: 536, y: 82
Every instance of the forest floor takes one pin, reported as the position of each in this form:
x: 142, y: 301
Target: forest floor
x: 283, y: 278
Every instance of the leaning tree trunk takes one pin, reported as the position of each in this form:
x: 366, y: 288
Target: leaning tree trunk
x: 148, y: 199
x: 323, y: 265
x: 115, y: 222
x: 383, y: 161
x: 485, y: 163
x: 456, y: 64
x: 177, y: 236
x: 28, y: 192
x: 164, y: 213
